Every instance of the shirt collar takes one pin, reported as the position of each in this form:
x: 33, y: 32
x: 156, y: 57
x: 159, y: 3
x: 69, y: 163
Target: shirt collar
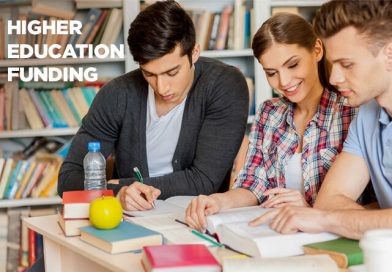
x: 384, y: 119
x: 323, y: 116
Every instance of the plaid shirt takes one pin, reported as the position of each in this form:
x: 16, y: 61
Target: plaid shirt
x: 274, y: 140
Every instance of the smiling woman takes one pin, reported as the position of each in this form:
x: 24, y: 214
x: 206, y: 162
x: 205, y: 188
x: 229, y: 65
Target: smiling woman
x: 286, y: 161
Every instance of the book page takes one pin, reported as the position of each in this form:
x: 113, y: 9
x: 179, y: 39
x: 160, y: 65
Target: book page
x: 319, y: 263
x: 262, y: 241
x: 181, y: 201
x: 161, y: 207
x: 157, y: 223
x: 183, y: 236
x: 173, y: 232
x: 244, y: 214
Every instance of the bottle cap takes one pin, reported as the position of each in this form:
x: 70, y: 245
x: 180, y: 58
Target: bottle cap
x: 94, y: 146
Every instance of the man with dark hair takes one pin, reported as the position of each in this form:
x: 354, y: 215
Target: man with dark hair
x: 179, y: 118
x: 358, y: 40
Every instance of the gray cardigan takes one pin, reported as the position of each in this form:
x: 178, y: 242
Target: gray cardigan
x: 212, y: 129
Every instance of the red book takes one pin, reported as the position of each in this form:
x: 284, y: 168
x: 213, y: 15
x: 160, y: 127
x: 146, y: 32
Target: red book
x: 179, y: 257
x: 76, y: 204
x: 32, y: 256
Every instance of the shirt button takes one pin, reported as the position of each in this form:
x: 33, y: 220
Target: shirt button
x: 175, y: 161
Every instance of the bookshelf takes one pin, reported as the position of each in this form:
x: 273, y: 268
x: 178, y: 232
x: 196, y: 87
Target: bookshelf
x: 11, y: 210
x: 12, y: 203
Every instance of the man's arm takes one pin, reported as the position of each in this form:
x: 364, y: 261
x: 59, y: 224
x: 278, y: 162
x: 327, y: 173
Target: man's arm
x: 350, y: 223
x: 345, y: 181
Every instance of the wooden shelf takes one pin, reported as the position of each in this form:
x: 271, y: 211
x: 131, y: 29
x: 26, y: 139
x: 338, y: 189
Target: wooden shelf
x: 55, y: 62
x: 227, y: 53
x: 26, y: 133
x: 12, y: 203
x: 297, y: 3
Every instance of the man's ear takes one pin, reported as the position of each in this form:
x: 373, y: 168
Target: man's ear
x: 388, y: 54
x: 195, y: 53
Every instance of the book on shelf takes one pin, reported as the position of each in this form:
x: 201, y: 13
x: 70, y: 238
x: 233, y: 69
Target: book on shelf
x: 223, y: 29
x: 293, y: 10
x: 31, y: 243
x: 113, y: 27
x: 345, y: 252
x: 2, y: 39
x: 92, y: 18
x: 228, y: 28
x: 63, y: 9
x: 37, y: 108
x: 319, y: 263
x: 82, y: 4
x: 3, y: 239
x: 232, y: 229
x: 76, y: 204
x: 126, y: 237
x: 71, y: 227
x: 179, y: 258
x: 6, y: 172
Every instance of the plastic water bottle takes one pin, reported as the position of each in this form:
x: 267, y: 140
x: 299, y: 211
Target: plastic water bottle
x: 94, y: 165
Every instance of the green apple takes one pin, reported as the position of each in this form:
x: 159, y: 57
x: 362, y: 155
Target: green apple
x: 105, y: 212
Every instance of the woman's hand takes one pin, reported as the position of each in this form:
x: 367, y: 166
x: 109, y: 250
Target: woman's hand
x: 282, y: 197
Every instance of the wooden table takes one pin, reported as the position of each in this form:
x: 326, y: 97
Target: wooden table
x: 72, y: 254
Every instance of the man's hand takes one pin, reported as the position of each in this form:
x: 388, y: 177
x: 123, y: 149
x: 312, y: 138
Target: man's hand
x: 282, y: 197
x: 138, y: 196
x: 198, y: 209
x: 293, y: 219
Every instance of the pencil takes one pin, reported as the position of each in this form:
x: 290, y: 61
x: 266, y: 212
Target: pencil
x: 206, y: 238
x: 140, y: 179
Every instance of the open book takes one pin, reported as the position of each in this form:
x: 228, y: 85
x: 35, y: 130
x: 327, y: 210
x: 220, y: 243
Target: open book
x: 174, y: 204
x: 163, y: 219
x: 232, y: 228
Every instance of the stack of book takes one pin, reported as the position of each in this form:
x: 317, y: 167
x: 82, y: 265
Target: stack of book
x: 75, y: 210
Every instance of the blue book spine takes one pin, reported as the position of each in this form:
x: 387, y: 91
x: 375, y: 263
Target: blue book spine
x: 45, y: 117
x: 65, y: 93
x: 12, y: 179
x: 23, y: 169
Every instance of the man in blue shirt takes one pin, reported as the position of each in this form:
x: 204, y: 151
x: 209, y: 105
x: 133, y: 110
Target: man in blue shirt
x: 358, y: 40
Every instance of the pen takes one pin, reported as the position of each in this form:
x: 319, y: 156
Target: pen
x: 179, y: 221
x: 206, y: 238
x: 140, y: 178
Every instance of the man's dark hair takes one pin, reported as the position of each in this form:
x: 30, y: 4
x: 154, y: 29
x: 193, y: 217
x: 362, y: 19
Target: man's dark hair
x: 158, y: 29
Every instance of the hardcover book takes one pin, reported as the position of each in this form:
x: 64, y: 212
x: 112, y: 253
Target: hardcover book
x: 345, y: 252
x: 126, y: 237
x: 76, y: 204
x: 179, y: 258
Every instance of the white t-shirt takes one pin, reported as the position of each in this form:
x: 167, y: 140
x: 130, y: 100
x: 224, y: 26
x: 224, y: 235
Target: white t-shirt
x: 293, y: 173
x: 162, y: 135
